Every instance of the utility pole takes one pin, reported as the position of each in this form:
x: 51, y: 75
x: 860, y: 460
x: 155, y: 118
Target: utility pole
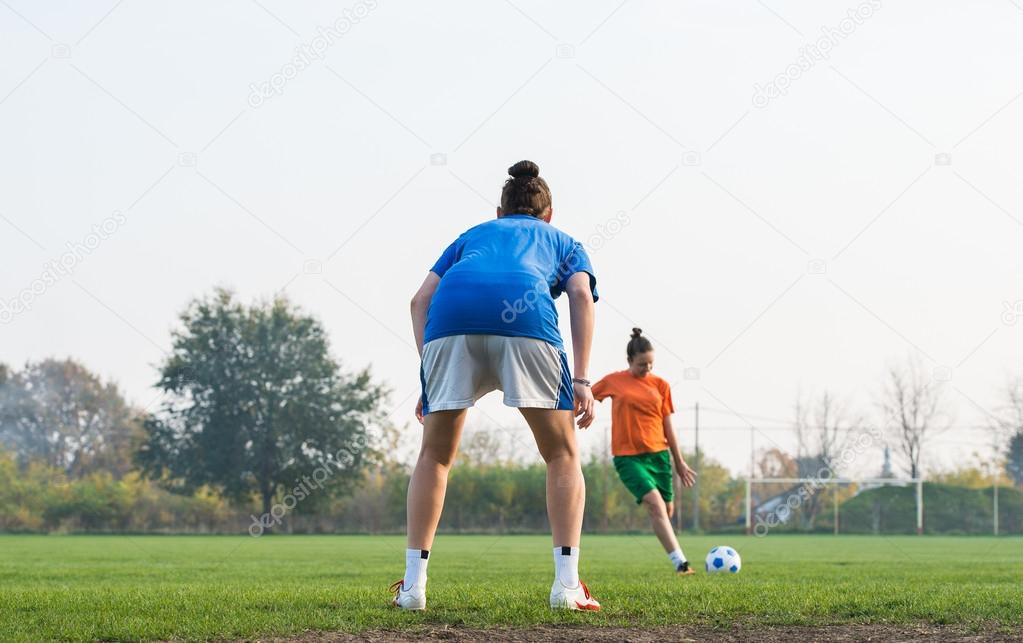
x: 749, y: 483
x: 696, y: 463
x: 996, y: 498
x: 835, y: 499
x: 919, y: 506
x: 678, y: 496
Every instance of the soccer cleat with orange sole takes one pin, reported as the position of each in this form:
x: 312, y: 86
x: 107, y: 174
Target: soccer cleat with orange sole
x: 573, y: 598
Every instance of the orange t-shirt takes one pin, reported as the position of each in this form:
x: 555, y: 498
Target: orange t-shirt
x: 638, y: 408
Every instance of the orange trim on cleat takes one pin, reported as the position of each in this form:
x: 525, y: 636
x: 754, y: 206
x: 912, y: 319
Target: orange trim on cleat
x: 573, y: 598
x: 591, y: 603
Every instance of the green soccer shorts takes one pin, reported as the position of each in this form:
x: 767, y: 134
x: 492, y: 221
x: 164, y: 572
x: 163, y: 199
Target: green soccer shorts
x: 646, y: 471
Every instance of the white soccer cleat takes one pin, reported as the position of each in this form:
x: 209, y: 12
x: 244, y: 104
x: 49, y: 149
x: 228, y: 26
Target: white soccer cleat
x: 413, y: 599
x: 573, y: 598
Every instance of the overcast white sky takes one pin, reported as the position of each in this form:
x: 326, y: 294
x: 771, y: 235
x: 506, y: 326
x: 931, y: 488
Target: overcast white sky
x: 801, y: 244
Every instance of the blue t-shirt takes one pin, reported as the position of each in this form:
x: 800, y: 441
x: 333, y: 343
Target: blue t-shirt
x: 502, y: 277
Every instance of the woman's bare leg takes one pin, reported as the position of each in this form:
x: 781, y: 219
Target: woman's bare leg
x: 441, y: 433
x: 554, y: 432
x: 660, y: 521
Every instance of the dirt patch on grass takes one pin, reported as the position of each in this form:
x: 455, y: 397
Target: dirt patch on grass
x: 546, y: 634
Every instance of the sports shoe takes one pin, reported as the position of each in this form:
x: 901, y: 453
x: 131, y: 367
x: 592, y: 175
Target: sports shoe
x: 685, y: 570
x: 572, y: 598
x: 413, y: 598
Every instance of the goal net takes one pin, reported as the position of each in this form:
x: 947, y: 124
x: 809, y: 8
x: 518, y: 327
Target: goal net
x: 837, y: 505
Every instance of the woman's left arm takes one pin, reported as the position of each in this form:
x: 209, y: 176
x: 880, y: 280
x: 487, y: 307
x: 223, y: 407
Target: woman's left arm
x: 681, y: 468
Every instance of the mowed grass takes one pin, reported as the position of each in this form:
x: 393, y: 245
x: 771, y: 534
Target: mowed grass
x: 215, y: 587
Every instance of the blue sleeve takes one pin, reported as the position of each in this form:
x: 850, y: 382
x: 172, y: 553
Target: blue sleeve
x: 575, y: 260
x: 447, y: 259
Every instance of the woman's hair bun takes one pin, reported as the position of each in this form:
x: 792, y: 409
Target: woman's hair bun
x: 637, y: 344
x: 527, y: 169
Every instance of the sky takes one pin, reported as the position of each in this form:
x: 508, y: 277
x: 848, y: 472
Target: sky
x: 788, y: 197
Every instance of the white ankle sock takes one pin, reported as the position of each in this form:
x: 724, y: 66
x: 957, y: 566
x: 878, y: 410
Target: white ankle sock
x: 566, y: 566
x: 677, y: 558
x: 415, y: 568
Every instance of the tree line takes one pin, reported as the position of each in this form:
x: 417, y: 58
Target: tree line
x: 258, y: 427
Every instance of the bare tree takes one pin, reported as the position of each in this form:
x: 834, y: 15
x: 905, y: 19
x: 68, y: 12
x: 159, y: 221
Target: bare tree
x: 482, y: 447
x: 914, y: 409
x: 824, y: 428
x: 775, y: 463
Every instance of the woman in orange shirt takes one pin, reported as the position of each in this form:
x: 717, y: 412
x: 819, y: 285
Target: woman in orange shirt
x: 643, y: 442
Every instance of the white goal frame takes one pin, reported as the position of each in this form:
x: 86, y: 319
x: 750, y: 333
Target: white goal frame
x: 823, y: 482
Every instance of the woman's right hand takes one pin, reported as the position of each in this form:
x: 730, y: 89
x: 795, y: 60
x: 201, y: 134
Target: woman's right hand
x: 419, y: 409
x: 583, y: 404
x: 687, y: 475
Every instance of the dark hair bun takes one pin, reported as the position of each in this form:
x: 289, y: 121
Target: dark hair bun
x: 524, y: 169
x: 636, y: 332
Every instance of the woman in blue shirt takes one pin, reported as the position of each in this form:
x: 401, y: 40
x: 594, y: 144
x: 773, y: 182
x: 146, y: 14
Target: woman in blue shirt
x: 484, y: 320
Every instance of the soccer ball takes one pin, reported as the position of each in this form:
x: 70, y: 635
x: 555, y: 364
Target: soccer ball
x: 723, y: 559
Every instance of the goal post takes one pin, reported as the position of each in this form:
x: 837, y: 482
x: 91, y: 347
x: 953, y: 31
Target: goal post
x: 783, y: 501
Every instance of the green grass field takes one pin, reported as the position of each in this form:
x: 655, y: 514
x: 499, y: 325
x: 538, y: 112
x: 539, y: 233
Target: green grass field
x: 201, y: 587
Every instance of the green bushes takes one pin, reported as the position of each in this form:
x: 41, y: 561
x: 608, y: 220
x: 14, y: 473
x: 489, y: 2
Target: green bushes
x: 947, y: 510
x: 481, y: 497
x: 43, y: 498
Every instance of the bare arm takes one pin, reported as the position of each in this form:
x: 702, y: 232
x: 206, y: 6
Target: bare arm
x: 681, y: 468
x: 420, y: 305
x: 580, y: 307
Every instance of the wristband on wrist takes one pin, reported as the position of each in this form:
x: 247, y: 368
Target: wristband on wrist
x: 581, y: 380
